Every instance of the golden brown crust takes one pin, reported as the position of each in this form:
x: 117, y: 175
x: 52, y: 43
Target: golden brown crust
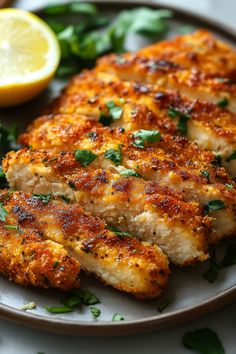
x: 87, y: 236
x: 27, y: 258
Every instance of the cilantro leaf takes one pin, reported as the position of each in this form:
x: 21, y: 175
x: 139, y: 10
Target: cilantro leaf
x: 224, y: 102
x: 118, y: 232
x: 183, y: 119
x: 59, y: 309
x: 72, y: 8
x: 203, y: 341
x: 115, y: 111
x: 151, y: 136
x: 163, y: 305
x: 118, y: 317
x: 214, y: 205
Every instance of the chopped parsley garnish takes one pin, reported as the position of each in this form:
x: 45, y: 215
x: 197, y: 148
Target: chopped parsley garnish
x: 143, y: 135
x: 118, y: 317
x: 96, y: 312
x: 85, y: 157
x: 92, y: 136
x: 59, y: 309
x: 87, y: 297
x: 214, y: 205
x: 13, y: 227
x: 183, y: 119
x: 3, y: 212
x: 217, y: 161
x: 203, y: 341
x: 66, y: 199
x: 115, y: 111
x: 231, y: 156
x: 105, y: 119
x: 72, y: 185
x: 163, y: 305
x: 114, y: 155
x: 44, y: 197
x: 206, y: 175
x: 230, y: 255
x: 211, y: 274
x: 55, y: 264
x: 224, y: 102
x: 71, y: 301
x: 129, y: 173
x: 229, y: 185
x: 118, y: 232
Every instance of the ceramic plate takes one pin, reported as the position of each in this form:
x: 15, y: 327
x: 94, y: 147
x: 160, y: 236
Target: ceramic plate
x: 191, y: 296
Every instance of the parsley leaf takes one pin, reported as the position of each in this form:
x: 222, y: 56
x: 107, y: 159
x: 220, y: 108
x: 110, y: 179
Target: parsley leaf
x: 96, y: 312
x: 118, y: 232
x: 114, y: 155
x: 59, y: 309
x: 151, y: 136
x: 3, y: 212
x: 115, y: 111
x: 44, y: 197
x: 71, y: 301
x: 231, y: 156
x: 163, y: 305
x: 183, y: 119
x: 206, y: 175
x: 211, y: 274
x: 230, y: 255
x: 85, y: 157
x: 13, y: 227
x: 214, y: 205
x: 129, y: 173
x: 224, y: 102
x: 118, y: 317
x: 203, y: 341
x: 72, y: 8
x: 87, y: 297
x: 104, y: 119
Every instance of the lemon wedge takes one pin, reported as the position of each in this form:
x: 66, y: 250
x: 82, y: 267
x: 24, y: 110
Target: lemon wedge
x: 29, y: 56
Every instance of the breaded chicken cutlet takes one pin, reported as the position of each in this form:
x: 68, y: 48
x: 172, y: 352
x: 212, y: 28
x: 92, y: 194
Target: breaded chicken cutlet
x: 149, y: 211
x: 149, y: 107
x: 36, y: 229
x: 197, y: 65
x: 165, y: 159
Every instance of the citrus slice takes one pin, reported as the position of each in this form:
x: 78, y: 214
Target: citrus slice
x: 29, y: 56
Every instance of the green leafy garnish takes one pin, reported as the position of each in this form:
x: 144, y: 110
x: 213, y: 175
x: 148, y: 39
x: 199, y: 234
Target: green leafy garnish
x: 114, y: 155
x: 163, y: 305
x: 229, y: 185
x: 118, y: 317
x: 75, y: 7
x: 231, y: 156
x: 71, y: 301
x: 214, y: 205
x: 44, y: 197
x: 118, y: 232
x: 115, y: 111
x: 105, y: 119
x: 13, y: 227
x: 203, y: 341
x: 3, y: 180
x: 129, y: 173
x: 206, y: 175
x: 66, y: 199
x: 143, y: 135
x: 59, y: 309
x: 230, y: 255
x: 96, y: 312
x: 85, y: 157
x: 86, y: 297
x: 217, y: 161
x: 8, y: 140
x: 3, y: 212
x: 55, y: 264
x: 211, y: 274
x: 90, y: 35
x: 183, y: 119
x: 224, y: 102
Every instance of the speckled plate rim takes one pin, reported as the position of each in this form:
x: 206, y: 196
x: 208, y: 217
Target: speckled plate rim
x: 153, y: 323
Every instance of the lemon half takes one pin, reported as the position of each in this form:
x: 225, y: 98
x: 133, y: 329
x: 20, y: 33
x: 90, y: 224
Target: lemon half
x: 29, y: 56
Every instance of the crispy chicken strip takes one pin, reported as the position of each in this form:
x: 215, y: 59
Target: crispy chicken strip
x: 170, y: 161
x: 26, y: 258
x: 148, y: 211
x: 148, y: 107
x: 198, y: 65
x: 123, y: 262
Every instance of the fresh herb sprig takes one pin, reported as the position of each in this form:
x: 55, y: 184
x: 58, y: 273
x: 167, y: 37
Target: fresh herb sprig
x: 90, y: 34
